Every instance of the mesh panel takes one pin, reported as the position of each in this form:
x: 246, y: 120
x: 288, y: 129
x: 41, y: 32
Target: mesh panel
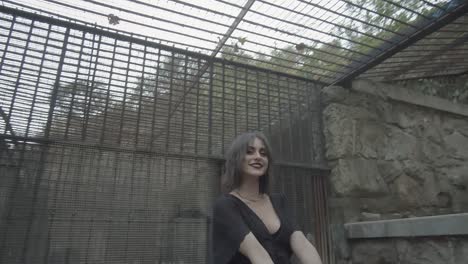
x: 111, y: 147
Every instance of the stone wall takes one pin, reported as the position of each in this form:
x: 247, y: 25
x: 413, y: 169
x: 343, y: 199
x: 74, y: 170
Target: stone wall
x: 393, y: 154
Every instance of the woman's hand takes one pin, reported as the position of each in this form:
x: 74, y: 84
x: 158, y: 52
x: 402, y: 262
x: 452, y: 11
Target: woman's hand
x: 303, y: 249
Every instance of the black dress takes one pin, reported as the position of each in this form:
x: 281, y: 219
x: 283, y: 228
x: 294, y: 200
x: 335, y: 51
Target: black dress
x: 233, y: 220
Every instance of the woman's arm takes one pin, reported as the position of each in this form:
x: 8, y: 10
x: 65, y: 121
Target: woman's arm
x: 253, y: 250
x: 303, y: 249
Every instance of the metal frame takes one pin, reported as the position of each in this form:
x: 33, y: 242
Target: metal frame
x: 290, y: 23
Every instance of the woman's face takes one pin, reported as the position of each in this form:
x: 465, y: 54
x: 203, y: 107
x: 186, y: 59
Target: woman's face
x: 255, y: 162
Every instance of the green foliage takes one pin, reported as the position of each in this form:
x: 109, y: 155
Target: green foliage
x: 80, y: 97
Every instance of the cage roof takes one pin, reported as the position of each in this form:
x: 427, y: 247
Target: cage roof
x: 331, y: 41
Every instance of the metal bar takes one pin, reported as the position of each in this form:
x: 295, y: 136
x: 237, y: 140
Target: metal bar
x: 140, y: 98
x: 223, y: 99
x: 106, y: 107
x: 324, y: 21
x: 420, y: 69
x: 269, y: 107
x: 129, y: 211
x: 72, y: 102
x: 235, y: 101
x: 87, y: 24
x: 171, y: 86
x: 7, y: 42
x: 20, y: 71
x: 290, y: 112
x: 140, y: 14
x: 256, y: 33
x: 246, y: 100
x: 184, y: 106
x: 137, y: 22
x: 89, y: 99
x: 51, y: 218
x: 197, y: 109
x: 45, y: 149
x: 231, y: 29
x: 97, y: 175
x: 117, y: 162
x: 74, y: 172
x: 257, y: 77
x: 431, y: 76
x: 155, y: 99
x: 446, y: 48
x: 210, y: 112
x: 312, y: 29
x: 280, y: 117
x: 377, y: 13
x: 408, y: 9
x: 434, y: 5
x: 310, y: 128
x: 124, y: 99
x: 141, y: 41
x: 110, y: 148
x: 350, y: 17
x: 425, y: 30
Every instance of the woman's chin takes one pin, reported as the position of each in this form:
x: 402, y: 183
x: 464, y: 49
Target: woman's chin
x: 256, y: 174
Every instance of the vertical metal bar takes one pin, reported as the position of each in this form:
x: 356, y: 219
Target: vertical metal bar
x: 311, y: 118
x: 280, y: 138
x: 45, y: 149
x: 54, y: 204
x: 103, y: 128
x: 198, y: 107
x: 171, y: 87
x: 89, y: 99
x: 13, y: 193
x: 88, y: 242
x: 246, y: 100
x: 223, y: 98
x: 77, y: 173
x: 155, y: 98
x: 317, y: 207
x: 291, y: 142
x: 20, y: 73
x: 129, y: 213
x: 148, y: 186
x: 124, y: 99
x: 210, y: 111
x: 299, y: 123
x: 69, y: 116
x: 235, y: 101
x: 140, y: 97
x: 257, y: 77
x: 7, y: 43
x: 182, y: 140
x: 36, y: 87
x: 269, y: 107
x: 320, y: 136
x: 116, y: 166
x: 97, y: 185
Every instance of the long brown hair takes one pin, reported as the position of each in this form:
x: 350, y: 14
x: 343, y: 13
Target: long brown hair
x: 232, y: 177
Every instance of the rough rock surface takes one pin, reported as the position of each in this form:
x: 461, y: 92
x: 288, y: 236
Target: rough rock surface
x: 391, y: 159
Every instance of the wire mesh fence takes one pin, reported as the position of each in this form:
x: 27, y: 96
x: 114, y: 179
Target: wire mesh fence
x: 326, y: 41
x: 111, y: 146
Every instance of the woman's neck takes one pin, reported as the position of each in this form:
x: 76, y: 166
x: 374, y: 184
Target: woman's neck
x: 250, y: 188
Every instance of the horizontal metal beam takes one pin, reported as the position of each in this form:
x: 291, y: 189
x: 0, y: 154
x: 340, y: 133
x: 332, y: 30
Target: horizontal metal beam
x: 106, y: 147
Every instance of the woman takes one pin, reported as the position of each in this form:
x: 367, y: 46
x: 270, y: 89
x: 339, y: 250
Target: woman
x: 249, y: 225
